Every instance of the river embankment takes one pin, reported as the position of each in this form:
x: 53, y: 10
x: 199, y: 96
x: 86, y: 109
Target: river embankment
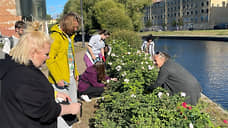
x: 212, y: 35
x: 194, y: 37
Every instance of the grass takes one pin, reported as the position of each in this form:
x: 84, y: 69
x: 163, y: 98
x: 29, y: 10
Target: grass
x: 223, y: 33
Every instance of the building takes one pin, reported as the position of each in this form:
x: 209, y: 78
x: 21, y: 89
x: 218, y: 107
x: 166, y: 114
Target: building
x: 13, y: 10
x: 186, y: 14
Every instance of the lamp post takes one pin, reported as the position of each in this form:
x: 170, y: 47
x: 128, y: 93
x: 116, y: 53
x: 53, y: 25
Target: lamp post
x: 83, y: 34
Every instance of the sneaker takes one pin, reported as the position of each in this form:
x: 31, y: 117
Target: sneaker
x: 85, y: 98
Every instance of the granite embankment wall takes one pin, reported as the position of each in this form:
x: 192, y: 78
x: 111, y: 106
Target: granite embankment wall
x: 207, y: 38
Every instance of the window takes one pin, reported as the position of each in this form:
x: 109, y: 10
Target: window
x: 187, y: 13
x: 206, y: 18
x: 201, y: 18
x: 202, y: 11
x: 202, y: 4
x: 196, y: 19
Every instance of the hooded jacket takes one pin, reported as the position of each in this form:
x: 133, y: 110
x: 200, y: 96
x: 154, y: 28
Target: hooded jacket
x: 58, y: 56
x: 27, y: 98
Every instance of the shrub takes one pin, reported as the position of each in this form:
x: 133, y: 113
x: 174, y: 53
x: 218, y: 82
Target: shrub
x: 127, y: 103
x: 131, y: 37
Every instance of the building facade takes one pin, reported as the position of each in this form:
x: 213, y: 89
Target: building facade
x: 187, y: 14
x: 14, y: 10
x: 8, y: 17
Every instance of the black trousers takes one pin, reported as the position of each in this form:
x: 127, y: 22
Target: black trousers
x: 92, y: 91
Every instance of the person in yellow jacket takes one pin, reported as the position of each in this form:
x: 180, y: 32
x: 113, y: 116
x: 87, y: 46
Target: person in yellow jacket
x: 61, y: 63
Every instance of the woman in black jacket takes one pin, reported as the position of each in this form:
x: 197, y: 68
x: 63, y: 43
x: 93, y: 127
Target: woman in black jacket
x: 27, y: 98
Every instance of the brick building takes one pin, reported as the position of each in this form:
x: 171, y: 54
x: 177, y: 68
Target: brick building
x: 8, y: 16
x: 13, y: 10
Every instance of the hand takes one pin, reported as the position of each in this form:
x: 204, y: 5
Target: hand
x: 114, y: 79
x: 93, y: 57
x: 77, y: 78
x: 61, y: 83
x: 75, y: 108
x: 63, y: 96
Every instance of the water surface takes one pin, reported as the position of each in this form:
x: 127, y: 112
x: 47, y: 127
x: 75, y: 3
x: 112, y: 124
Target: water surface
x: 206, y: 60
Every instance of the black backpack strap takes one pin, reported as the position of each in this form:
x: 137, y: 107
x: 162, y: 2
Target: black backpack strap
x: 11, y: 42
x: 62, y: 35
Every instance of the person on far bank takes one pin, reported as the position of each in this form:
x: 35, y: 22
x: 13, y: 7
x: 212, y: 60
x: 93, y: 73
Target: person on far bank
x: 90, y: 82
x: 176, y: 79
x: 13, y: 40
x: 148, y: 45
x: 62, y: 67
x: 95, y: 47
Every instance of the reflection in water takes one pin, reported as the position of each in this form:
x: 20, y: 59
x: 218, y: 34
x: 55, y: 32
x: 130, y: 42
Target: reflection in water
x: 206, y: 60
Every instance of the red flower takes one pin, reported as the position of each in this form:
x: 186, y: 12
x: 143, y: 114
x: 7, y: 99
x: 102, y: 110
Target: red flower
x: 189, y: 107
x: 184, y: 105
x: 225, y: 121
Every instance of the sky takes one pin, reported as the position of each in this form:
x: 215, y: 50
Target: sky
x: 55, y: 7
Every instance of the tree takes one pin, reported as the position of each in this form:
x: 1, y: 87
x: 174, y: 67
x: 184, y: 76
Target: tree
x: 148, y: 23
x: 74, y: 6
x: 48, y: 17
x: 133, y: 9
x: 111, y: 15
x: 174, y: 23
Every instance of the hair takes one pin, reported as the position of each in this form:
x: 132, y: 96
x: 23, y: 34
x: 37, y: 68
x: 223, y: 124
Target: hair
x: 150, y: 37
x: 67, y: 20
x: 106, y: 50
x: 31, y: 41
x: 163, y: 55
x: 100, y: 68
x: 105, y: 32
x: 20, y: 24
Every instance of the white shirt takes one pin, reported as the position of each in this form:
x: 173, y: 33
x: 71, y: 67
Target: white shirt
x: 96, y: 43
x: 6, y: 48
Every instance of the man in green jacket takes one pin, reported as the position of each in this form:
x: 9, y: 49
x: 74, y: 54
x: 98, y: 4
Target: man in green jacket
x: 62, y: 67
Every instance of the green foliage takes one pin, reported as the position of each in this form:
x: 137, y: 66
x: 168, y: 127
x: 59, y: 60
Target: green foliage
x: 148, y: 23
x: 135, y: 10
x: 111, y: 15
x: 122, y: 14
x: 89, y: 20
x: 48, y: 17
x: 128, y: 104
x: 174, y: 23
x: 132, y: 38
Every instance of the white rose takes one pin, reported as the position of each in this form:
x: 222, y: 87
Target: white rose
x: 160, y: 94
x: 126, y: 80
x: 183, y: 94
x: 118, y: 68
x: 191, y: 125
x: 133, y: 95
x: 110, y: 63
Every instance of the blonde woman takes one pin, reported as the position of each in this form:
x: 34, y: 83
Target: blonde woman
x: 28, y: 99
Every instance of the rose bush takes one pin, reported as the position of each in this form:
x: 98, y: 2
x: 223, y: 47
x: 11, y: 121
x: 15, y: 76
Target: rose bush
x: 128, y: 103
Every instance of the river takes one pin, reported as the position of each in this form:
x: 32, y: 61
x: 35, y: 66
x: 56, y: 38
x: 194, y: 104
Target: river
x: 206, y: 60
